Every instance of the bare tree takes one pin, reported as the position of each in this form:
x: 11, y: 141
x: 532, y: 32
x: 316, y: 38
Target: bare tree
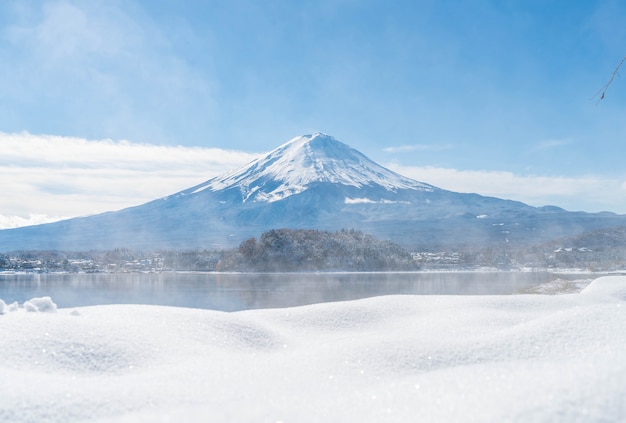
x: 602, y: 91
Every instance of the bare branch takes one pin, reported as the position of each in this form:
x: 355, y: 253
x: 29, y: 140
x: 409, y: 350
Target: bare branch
x: 602, y: 91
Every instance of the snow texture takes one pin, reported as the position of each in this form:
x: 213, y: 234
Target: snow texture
x: 392, y: 359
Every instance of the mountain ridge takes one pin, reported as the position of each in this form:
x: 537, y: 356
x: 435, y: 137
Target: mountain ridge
x: 311, y: 182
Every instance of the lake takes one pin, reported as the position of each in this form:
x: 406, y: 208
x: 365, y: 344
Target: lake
x: 242, y: 291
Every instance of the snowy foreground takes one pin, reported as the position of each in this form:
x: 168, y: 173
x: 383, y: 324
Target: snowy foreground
x: 395, y: 358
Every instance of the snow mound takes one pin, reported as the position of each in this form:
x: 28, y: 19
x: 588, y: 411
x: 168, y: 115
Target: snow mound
x: 5, y: 308
x: 608, y: 286
x: 41, y: 305
x: 392, y: 359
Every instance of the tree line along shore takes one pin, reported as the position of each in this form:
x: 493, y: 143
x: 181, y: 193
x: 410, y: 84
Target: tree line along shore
x: 289, y: 250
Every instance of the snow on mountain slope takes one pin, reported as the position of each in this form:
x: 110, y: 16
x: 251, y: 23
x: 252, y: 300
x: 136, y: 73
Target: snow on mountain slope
x: 305, y: 160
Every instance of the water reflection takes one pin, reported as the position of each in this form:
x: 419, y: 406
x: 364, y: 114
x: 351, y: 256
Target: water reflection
x: 232, y: 292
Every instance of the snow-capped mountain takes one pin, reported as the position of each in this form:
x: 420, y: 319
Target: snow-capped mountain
x: 312, y: 181
x: 301, y: 162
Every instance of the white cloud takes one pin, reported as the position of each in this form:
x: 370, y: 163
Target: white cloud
x: 67, y: 31
x: 104, y: 69
x: 416, y: 147
x: 552, y: 143
x: 42, y: 175
x: 7, y: 222
x: 586, y: 193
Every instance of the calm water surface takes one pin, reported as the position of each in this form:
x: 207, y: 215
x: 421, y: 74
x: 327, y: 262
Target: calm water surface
x: 232, y: 292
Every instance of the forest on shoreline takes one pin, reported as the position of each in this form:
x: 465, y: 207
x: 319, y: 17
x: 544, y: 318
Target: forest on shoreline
x: 297, y: 250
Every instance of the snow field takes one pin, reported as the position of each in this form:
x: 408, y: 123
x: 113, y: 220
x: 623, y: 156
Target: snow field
x: 393, y: 358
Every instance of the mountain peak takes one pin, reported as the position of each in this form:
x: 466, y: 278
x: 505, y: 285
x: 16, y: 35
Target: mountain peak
x: 314, y: 152
x: 305, y: 160
x: 318, y: 140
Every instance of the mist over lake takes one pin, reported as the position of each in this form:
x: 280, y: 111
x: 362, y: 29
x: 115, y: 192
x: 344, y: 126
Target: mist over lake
x: 242, y: 291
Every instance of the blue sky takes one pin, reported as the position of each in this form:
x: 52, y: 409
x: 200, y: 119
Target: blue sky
x: 493, y: 97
